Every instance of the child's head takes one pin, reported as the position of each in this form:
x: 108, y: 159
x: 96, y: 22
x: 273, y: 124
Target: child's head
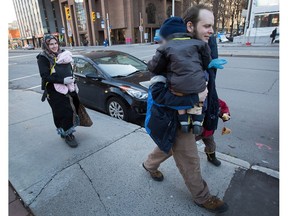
x: 172, y: 25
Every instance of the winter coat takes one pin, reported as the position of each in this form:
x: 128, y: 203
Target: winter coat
x: 184, y: 60
x: 57, y: 75
x: 161, y: 120
x: 212, y: 111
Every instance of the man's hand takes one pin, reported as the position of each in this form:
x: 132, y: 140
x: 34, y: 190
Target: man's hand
x: 217, y: 63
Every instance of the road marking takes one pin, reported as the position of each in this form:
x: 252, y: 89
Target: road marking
x: 260, y: 146
x: 23, y: 55
x: 33, y: 87
x: 23, y: 77
x: 13, y: 64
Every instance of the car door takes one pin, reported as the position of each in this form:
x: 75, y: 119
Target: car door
x: 91, y: 89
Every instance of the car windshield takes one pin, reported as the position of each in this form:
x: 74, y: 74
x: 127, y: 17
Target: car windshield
x: 120, y: 64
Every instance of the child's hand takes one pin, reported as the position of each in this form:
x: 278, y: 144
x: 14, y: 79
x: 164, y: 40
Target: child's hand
x: 225, y: 117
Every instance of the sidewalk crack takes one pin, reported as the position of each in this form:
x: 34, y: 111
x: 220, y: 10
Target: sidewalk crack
x: 106, y: 210
x: 271, y: 87
x: 44, y: 187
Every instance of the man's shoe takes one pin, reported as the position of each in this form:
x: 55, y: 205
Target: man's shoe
x: 70, y: 140
x: 157, y: 175
x: 211, y: 157
x: 215, y: 205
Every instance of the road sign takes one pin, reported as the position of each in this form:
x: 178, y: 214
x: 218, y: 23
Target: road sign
x: 141, y: 28
x: 102, y: 24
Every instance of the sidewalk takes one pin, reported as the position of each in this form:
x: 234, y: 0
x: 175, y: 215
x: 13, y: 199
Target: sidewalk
x: 103, y: 175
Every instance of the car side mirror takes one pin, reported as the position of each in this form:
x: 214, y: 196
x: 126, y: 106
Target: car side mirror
x: 93, y: 76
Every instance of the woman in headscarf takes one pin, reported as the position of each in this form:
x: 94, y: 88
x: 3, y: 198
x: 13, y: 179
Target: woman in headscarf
x: 59, y: 87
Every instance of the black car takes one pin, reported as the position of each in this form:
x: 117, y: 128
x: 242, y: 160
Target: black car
x: 113, y: 82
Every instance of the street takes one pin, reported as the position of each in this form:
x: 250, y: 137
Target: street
x: 250, y: 86
x: 104, y: 175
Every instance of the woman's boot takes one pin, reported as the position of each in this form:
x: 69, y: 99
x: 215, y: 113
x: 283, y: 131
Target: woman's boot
x: 211, y: 157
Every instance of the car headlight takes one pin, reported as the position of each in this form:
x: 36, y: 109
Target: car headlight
x: 135, y: 92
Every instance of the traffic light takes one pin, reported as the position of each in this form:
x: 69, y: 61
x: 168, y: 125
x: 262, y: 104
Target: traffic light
x: 93, y: 16
x: 67, y: 11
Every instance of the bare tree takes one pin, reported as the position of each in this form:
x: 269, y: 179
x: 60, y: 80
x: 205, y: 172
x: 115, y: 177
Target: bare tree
x: 226, y: 12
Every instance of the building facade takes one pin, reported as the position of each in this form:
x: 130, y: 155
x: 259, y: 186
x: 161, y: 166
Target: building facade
x: 120, y: 21
x: 90, y: 22
x: 36, y: 18
x: 263, y: 17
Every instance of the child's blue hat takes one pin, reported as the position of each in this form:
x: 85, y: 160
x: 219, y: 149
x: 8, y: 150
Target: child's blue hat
x: 172, y: 25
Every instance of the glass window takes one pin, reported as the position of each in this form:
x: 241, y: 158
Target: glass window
x: 81, y: 15
x: 151, y: 12
x: 266, y: 20
x: 83, y: 67
x: 120, y: 65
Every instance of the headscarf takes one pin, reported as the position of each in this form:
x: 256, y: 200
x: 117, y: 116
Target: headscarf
x: 45, y: 46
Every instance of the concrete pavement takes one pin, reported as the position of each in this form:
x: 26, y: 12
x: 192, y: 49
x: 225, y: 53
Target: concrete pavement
x: 103, y: 175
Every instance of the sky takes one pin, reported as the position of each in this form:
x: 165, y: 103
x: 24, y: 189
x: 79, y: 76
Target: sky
x: 10, y: 15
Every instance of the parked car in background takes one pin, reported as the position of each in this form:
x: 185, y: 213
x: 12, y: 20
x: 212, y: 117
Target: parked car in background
x: 29, y: 47
x: 222, y: 37
x: 113, y: 82
x: 157, y: 38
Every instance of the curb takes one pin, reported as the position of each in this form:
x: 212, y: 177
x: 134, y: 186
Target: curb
x: 246, y: 55
x: 239, y: 162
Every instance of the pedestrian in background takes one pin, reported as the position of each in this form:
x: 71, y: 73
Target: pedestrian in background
x: 273, y: 35
x: 59, y: 87
x: 199, y: 21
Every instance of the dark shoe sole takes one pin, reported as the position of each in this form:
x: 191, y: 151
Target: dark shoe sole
x: 217, y: 164
x: 154, y: 177
x: 72, y: 144
x: 220, y: 209
x: 71, y: 141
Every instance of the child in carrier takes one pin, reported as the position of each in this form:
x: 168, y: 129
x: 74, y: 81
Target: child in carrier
x: 64, y: 70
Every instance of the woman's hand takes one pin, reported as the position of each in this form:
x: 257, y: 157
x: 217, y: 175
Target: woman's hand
x: 68, y: 80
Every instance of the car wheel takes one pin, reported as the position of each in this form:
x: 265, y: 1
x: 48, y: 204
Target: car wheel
x: 117, y: 109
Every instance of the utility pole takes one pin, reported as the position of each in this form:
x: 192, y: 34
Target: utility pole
x: 141, y: 27
x: 247, y: 23
x: 173, y: 8
x: 108, y: 30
